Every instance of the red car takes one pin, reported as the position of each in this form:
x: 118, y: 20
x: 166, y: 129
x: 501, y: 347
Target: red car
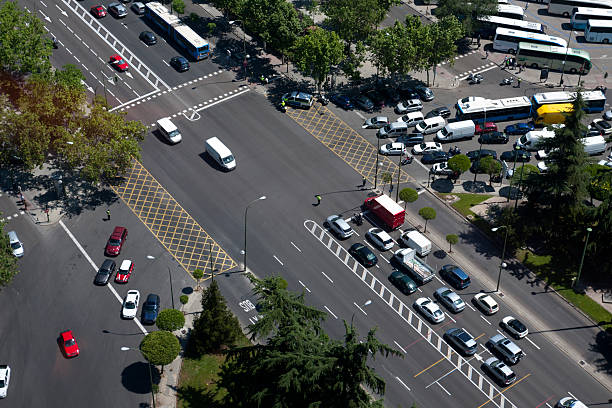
x: 488, y: 127
x: 116, y: 241
x: 119, y: 63
x: 125, y: 271
x: 69, y: 344
x: 98, y: 11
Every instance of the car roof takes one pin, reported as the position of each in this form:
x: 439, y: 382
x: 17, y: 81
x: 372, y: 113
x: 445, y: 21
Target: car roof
x: 152, y: 297
x: 66, y: 334
x: 107, y: 264
x: 126, y: 264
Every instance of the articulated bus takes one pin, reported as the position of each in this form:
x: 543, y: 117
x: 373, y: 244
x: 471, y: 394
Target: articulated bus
x: 183, y: 36
x: 491, y: 23
x: 595, y: 101
x: 495, y: 110
x: 508, y: 40
x: 581, y: 15
x: 566, y: 7
x: 540, y: 56
x: 510, y: 11
x: 598, y: 31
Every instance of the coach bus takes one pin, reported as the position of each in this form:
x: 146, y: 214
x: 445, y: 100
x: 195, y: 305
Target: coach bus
x: 539, y: 56
x: 510, y: 11
x: 594, y: 101
x: 508, y: 40
x: 183, y: 36
x: 566, y: 7
x: 598, y: 31
x: 581, y: 15
x: 496, y: 110
x: 490, y: 23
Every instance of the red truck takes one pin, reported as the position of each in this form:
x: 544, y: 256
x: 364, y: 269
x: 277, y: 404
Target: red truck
x: 388, y: 211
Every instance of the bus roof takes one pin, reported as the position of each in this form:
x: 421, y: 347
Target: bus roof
x: 599, y: 23
x: 554, y: 49
x: 528, y: 34
x: 530, y: 25
x: 557, y: 107
x: 591, y: 11
x: 494, y: 104
x: 510, y: 8
x: 191, y: 36
x: 564, y: 97
x: 162, y: 12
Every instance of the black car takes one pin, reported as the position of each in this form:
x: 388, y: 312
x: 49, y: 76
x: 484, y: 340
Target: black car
x: 342, y: 101
x: 434, y: 157
x: 455, y: 276
x: 439, y: 111
x: 364, y: 103
x: 522, y: 156
x: 407, y: 92
x: 179, y: 63
x: 363, y: 254
x: 390, y: 94
x: 425, y: 93
x: 477, y: 154
x: 411, y: 139
x: 148, y: 38
x: 105, y: 272
x: 150, y: 309
x: 493, y: 138
x: 376, y: 97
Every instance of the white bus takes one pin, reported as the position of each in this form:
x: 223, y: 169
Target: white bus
x: 570, y: 60
x: 502, y: 1
x: 494, y: 110
x: 581, y: 15
x: 510, y: 11
x: 491, y: 23
x: 566, y: 7
x: 594, y: 101
x: 508, y: 40
x: 599, y: 31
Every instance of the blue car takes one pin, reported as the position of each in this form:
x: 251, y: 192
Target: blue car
x: 518, y: 129
x: 342, y: 101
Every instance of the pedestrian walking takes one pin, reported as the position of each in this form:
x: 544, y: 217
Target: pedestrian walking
x: 486, y: 54
x: 318, y: 197
x: 526, y: 5
x: 263, y: 79
x: 363, y: 182
x: 21, y: 198
x: 478, y: 41
x: 229, y: 56
x: 518, y: 82
x: 108, y: 215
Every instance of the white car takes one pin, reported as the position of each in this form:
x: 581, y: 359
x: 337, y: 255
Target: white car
x: 441, y: 168
x: 427, y: 147
x: 607, y: 163
x: 429, y: 309
x: 513, y: 326
x: 486, y: 303
x: 339, y: 226
x: 380, y: 238
x: 602, y: 125
x: 543, y: 166
x: 393, y: 149
x: 130, y: 304
x: 411, y: 105
x: 5, y: 378
x: 569, y: 402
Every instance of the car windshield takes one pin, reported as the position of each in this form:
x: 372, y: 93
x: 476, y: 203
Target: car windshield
x: 518, y: 326
x: 114, y: 242
x: 2, y: 384
x: 15, y: 245
x: 70, y: 342
x: 130, y: 305
x: 228, y: 159
x: 457, y: 302
x: 437, y: 313
x: 370, y: 256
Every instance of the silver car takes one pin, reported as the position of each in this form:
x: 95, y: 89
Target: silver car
x: 411, y: 105
x: 117, y: 9
x: 339, y: 226
x: 429, y: 309
x: 393, y: 149
x: 501, y: 373
x: 376, y: 122
x: 449, y: 299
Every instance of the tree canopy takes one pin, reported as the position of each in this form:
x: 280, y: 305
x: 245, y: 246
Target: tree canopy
x: 160, y: 347
x: 170, y: 320
x: 316, y: 52
x: 8, y: 262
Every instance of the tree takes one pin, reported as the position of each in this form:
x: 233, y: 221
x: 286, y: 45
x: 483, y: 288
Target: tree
x: 459, y: 164
x: 489, y: 165
x: 439, y: 43
x: 408, y: 195
x: 316, y: 52
x: 8, y: 262
x: 427, y: 213
x: 170, y: 320
x: 386, y: 177
x: 284, y: 27
x: 197, y: 275
x: 452, y: 239
x: 215, y: 326
x: 600, y: 185
x: 467, y: 11
x: 25, y: 47
x: 355, y: 20
x: 160, y: 348
x: 184, y: 299
x: 178, y: 6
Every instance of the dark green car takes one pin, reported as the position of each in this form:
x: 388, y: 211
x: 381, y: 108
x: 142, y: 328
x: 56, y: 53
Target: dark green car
x: 402, y: 282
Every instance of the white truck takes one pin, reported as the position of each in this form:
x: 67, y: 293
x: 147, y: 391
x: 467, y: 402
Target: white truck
x: 418, y: 270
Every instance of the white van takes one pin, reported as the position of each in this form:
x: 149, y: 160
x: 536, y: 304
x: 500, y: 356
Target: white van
x: 417, y: 241
x: 222, y: 155
x: 456, y: 130
x: 16, y: 244
x: 411, y: 118
x: 395, y: 129
x: 431, y: 125
x: 169, y: 130
x: 531, y: 140
x: 594, y: 145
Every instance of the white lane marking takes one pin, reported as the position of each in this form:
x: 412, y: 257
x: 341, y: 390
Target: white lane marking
x: 470, y: 306
x: 359, y: 307
x: 400, y: 347
x: 295, y: 246
x: 401, y: 382
x: 534, y: 345
x: 360, y: 115
x: 450, y: 317
x: 386, y: 260
x: 219, y: 101
x: 421, y: 191
x: 484, y: 70
x: 278, y: 260
x: 95, y: 268
x: 572, y: 395
x: 328, y: 278
x: 43, y: 4
x: 305, y: 287
x: 483, y: 318
x: 440, y: 385
x: 330, y: 312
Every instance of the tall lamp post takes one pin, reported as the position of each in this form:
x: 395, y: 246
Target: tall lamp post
x: 377, y: 153
x: 150, y: 375
x: 586, y: 241
x: 484, y: 123
x: 502, y: 264
x: 244, y: 54
x: 569, y: 40
x: 246, y: 213
x: 516, y: 149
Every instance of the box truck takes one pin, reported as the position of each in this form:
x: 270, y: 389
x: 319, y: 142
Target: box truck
x: 386, y: 210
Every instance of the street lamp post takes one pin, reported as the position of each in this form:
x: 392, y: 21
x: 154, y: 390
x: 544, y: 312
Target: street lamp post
x: 586, y: 241
x: 502, y: 264
x: 484, y: 123
x: 569, y: 40
x: 399, y: 167
x: 516, y: 149
x: 150, y: 375
x: 377, y: 153
x: 246, y: 213
x: 518, y: 191
x: 244, y: 54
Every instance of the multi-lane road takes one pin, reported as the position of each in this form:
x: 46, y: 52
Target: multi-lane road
x: 289, y: 159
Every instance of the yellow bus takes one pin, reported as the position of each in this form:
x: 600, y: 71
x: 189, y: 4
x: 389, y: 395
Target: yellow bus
x: 552, y: 114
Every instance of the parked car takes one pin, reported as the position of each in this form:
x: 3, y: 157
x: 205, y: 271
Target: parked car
x: 138, y: 8
x: 364, y: 103
x: 380, y: 239
x: 425, y: 93
x: 375, y: 122
x: 475, y: 168
x: 429, y: 309
x: 116, y: 241
x: 439, y: 111
x: 393, y: 149
x: 449, y: 299
x: 70, y: 348
x: 493, y: 138
x: 125, y: 271
x: 118, y: 62
x: 602, y: 125
x: 441, y: 169
x: 5, y: 379
x: 411, y: 139
x: 434, y: 157
x: 486, y: 303
x: 569, y: 402
x: 117, y: 9
x: 522, y: 156
x: 148, y: 37
x: 150, y: 309
x: 363, y: 254
x: 98, y: 11
x: 105, y: 272
x: 342, y: 101
x: 462, y: 341
x: 130, y: 304
x: 427, y: 147
x: 403, y: 282
x: 518, y: 129
x: 408, y: 105
x: 16, y: 244
x: 500, y: 372
x: 514, y: 326
x: 339, y: 226
x: 376, y: 97
x: 407, y: 92
x: 487, y: 127
x: 478, y: 154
